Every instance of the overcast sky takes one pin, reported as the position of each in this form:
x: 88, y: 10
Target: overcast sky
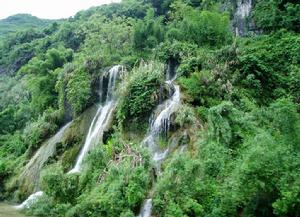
x: 50, y: 9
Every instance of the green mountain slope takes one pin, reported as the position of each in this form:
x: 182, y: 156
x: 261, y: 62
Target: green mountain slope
x: 155, y: 108
x: 20, y: 22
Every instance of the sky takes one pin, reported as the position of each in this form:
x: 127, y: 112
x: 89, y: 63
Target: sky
x: 49, y: 9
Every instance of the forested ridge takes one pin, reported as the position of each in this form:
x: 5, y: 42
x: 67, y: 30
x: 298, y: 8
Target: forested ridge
x: 201, y: 101
x: 21, y: 22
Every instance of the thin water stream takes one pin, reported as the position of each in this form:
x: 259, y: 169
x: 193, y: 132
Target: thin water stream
x: 99, y: 124
x: 243, y: 10
x: 102, y: 117
x: 160, y: 124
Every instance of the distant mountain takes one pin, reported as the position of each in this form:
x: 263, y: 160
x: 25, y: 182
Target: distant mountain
x: 21, y: 22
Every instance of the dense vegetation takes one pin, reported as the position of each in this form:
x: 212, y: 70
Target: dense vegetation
x: 21, y: 22
x: 240, y: 109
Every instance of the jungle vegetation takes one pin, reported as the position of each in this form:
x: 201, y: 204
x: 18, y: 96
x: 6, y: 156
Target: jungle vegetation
x: 240, y: 106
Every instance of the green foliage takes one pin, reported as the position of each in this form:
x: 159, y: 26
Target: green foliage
x: 14, y: 107
x: 200, y: 88
x: 113, y: 186
x: 227, y: 124
x: 258, y: 178
x: 70, y: 35
x: 21, y: 22
x: 243, y: 162
x: 108, y: 41
x: 60, y: 187
x: 272, y: 15
x: 199, y: 27
x: 140, y: 94
x: 176, y: 191
x: 41, y: 78
x: 78, y: 96
x: 46, y: 206
x: 185, y: 116
x: 267, y: 66
x: 36, y: 132
x: 176, y: 50
x: 128, y: 8
x: 149, y: 32
x: 123, y: 189
x: 12, y: 147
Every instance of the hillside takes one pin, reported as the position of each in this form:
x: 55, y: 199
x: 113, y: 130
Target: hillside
x: 21, y: 22
x: 146, y: 108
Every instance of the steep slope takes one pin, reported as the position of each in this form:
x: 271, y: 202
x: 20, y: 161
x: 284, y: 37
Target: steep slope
x: 205, y: 121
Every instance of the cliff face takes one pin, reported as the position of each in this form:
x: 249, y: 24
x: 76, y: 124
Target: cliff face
x: 241, y: 22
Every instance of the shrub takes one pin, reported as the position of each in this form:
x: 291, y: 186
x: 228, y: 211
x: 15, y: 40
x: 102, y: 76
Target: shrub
x: 63, y: 188
x: 141, y: 93
x: 270, y: 15
x: 120, y: 190
x: 202, y: 27
x: 78, y: 90
x: 185, y: 116
x: 36, y: 132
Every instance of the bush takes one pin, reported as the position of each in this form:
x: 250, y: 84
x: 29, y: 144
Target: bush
x: 120, y: 190
x: 63, y: 188
x: 149, y: 32
x: 177, y: 192
x: 185, y: 116
x: 270, y: 15
x: 36, y: 132
x: 141, y: 94
x: 78, y: 90
x: 204, y: 28
x: 267, y: 66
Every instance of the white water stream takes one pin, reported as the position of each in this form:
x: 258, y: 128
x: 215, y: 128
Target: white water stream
x: 146, y: 209
x: 99, y: 124
x: 102, y: 117
x: 243, y: 11
x: 160, y: 123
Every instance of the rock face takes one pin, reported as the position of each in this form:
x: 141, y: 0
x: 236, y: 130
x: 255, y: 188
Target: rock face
x: 241, y: 21
x: 29, y: 178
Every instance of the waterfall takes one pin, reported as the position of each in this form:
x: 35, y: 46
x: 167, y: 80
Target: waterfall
x: 242, y: 13
x: 103, y: 115
x: 99, y: 124
x: 34, y: 166
x: 244, y: 8
x: 146, y: 209
x: 36, y: 163
x: 160, y: 123
x: 30, y: 200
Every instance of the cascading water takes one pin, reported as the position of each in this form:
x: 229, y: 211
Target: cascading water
x: 102, y: 117
x: 30, y: 200
x: 98, y: 126
x: 244, y: 8
x: 146, y: 209
x: 160, y: 123
x: 47, y: 150
x: 34, y: 166
x: 242, y: 12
